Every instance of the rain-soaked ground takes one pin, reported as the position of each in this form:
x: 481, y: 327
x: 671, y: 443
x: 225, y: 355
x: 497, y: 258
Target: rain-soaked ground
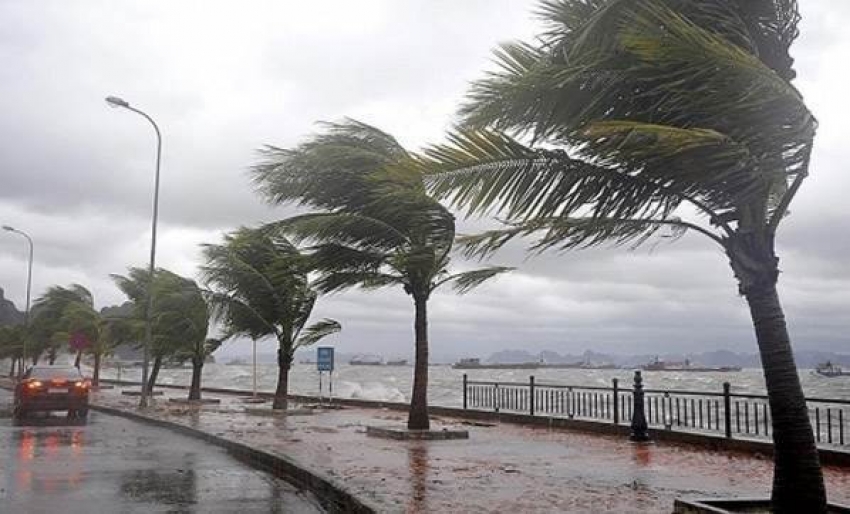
x: 109, y: 465
x: 501, y: 468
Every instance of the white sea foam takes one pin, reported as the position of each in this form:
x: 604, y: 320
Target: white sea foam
x: 391, y: 383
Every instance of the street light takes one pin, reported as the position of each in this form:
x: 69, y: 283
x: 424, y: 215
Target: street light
x: 116, y: 102
x: 7, y: 228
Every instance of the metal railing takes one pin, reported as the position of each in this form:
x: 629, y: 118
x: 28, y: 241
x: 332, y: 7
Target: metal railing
x: 732, y: 415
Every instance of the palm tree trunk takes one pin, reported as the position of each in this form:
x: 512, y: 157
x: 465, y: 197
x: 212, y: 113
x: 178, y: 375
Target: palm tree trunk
x: 157, y: 362
x: 78, y: 359
x: 96, y: 375
x: 12, y: 369
x: 281, y: 394
x: 195, y: 389
x: 418, y: 416
x: 797, y: 480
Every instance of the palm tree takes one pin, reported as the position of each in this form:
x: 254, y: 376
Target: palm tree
x: 378, y: 227
x: 66, y: 312
x: 102, y: 333
x: 181, y: 313
x: 49, y: 328
x: 11, y: 345
x: 179, y: 318
x: 642, y: 113
x: 258, y: 287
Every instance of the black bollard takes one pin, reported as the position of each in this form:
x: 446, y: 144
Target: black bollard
x: 639, y: 427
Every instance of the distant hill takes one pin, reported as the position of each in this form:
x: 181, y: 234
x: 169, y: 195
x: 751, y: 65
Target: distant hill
x: 9, y: 314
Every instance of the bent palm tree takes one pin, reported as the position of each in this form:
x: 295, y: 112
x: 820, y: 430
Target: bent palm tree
x: 11, y: 345
x: 379, y: 227
x: 48, y: 330
x: 179, y: 317
x: 258, y: 287
x: 66, y: 312
x: 664, y: 107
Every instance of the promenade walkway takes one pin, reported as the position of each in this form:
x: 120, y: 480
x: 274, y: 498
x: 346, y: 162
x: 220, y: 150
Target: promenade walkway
x: 501, y: 468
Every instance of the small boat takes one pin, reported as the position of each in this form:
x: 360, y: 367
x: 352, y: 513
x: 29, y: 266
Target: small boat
x: 828, y: 369
x: 398, y: 362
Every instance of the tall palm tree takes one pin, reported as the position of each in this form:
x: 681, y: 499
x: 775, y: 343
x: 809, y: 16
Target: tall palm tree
x: 642, y: 113
x: 377, y: 226
x: 258, y: 287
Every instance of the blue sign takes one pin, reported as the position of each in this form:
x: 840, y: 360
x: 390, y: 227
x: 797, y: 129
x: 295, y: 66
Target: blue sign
x: 325, y: 358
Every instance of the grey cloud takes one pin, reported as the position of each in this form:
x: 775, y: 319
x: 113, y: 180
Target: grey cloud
x: 223, y: 79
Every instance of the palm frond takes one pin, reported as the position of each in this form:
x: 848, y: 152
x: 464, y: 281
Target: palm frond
x: 483, y: 171
x: 318, y: 331
x: 570, y: 233
x: 466, y: 281
x: 342, y: 228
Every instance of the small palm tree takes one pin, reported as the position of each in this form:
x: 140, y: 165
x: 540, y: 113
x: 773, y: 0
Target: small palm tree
x: 179, y: 317
x: 644, y: 113
x: 63, y: 313
x: 182, y: 315
x: 102, y: 333
x: 258, y: 287
x: 11, y: 344
x: 48, y: 330
x: 377, y: 228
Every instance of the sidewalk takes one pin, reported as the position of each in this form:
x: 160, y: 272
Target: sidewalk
x: 501, y: 468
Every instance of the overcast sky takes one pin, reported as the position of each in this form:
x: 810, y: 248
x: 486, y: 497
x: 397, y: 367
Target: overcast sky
x: 224, y: 78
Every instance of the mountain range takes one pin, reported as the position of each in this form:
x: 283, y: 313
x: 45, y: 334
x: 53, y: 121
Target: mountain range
x: 804, y: 358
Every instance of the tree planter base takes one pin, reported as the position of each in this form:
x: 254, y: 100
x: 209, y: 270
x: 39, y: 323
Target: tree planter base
x: 736, y: 505
x: 404, y: 434
x: 139, y: 393
x: 202, y: 401
x: 278, y: 412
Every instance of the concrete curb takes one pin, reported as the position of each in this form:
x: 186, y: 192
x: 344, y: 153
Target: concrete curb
x: 332, y: 496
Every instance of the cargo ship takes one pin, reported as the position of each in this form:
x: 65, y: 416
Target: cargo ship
x: 366, y: 360
x: 477, y: 364
x: 686, y: 365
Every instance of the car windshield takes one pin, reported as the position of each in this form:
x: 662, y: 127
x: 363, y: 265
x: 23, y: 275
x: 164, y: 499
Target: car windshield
x: 44, y: 373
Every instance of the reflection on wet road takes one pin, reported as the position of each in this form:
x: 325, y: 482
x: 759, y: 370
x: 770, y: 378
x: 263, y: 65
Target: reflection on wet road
x: 110, y: 464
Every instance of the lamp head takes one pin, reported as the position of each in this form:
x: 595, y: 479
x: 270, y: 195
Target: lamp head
x: 7, y: 228
x: 114, y: 101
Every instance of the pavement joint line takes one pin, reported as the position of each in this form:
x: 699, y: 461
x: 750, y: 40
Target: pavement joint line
x: 334, y: 497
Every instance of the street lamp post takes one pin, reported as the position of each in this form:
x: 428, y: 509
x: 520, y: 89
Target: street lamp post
x: 7, y: 228
x: 114, y: 101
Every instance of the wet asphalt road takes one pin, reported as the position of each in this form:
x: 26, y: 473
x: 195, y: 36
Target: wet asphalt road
x: 114, y: 465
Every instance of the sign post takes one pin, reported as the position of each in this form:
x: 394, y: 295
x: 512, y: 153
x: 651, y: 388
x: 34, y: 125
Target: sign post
x: 325, y: 362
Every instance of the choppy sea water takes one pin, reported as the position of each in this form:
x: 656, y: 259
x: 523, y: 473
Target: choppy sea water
x: 445, y: 388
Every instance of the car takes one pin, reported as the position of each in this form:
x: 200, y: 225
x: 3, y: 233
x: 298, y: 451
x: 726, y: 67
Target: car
x: 52, y: 388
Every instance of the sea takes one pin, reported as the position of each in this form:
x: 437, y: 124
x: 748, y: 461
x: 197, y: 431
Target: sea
x: 445, y: 384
